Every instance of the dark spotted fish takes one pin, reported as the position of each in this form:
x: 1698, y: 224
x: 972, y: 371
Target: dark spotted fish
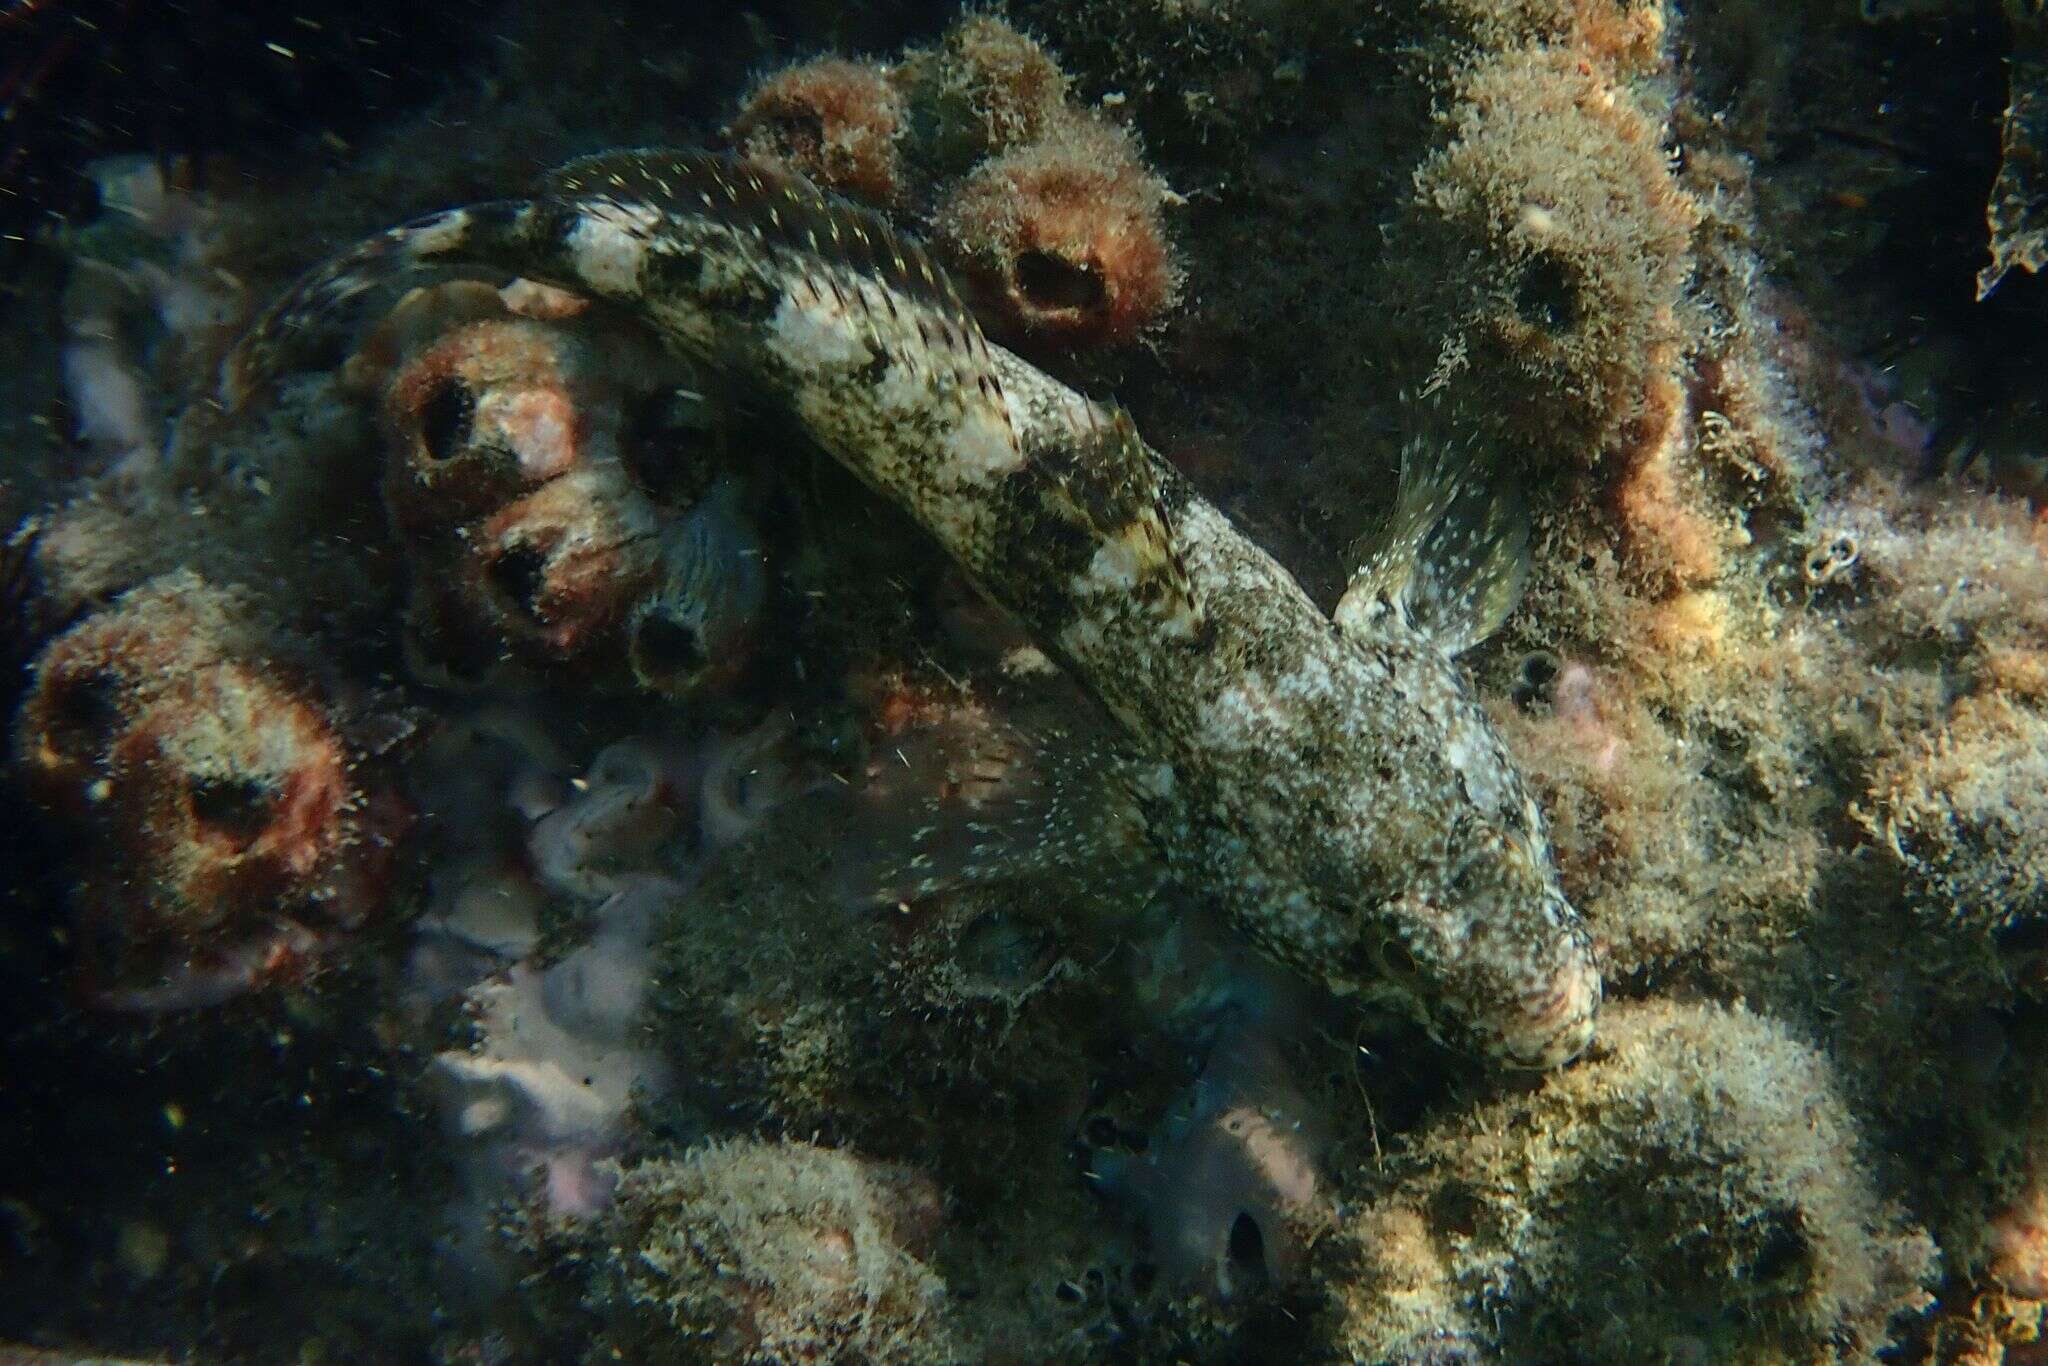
x: 1334, y: 784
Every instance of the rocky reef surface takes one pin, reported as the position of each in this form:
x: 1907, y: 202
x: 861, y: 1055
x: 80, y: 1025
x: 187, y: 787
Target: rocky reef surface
x: 516, y: 855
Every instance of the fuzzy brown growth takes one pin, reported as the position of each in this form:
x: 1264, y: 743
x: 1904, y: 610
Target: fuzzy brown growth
x: 838, y: 122
x: 760, y: 1251
x: 217, y: 800
x: 986, y: 88
x: 1712, y: 1144
x: 1064, y: 238
x: 512, y: 473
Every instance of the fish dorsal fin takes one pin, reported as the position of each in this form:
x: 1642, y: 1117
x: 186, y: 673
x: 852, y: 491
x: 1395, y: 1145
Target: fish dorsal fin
x: 1113, y: 486
x: 785, y: 214
x: 781, y: 207
x: 1453, y: 556
x: 820, y: 236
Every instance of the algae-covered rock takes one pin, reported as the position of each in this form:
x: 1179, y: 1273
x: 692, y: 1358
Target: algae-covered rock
x: 1549, y: 237
x: 772, y: 1252
x: 1695, y: 1190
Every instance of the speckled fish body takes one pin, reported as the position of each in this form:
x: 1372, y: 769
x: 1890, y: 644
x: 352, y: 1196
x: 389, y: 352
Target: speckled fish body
x: 1338, y: 788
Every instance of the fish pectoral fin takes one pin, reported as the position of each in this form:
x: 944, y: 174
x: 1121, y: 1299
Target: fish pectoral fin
x: 1453, y: 556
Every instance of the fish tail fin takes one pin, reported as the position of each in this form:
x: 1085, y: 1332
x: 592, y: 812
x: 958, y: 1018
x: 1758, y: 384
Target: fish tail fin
x: 285, y: 332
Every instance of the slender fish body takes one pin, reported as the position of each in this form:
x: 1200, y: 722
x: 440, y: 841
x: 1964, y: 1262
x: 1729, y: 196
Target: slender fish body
x: 1334, y: 784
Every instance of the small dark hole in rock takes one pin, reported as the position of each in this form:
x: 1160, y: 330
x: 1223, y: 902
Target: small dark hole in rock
x: 1456, y: 1209
x: 1143, y: 1277
x: 520, y: 574
x: 446, y: 420
x: 1247, y: 1252
x: 1396, y: 961
x: 665, y: 649
x: 83, y: 716
x: 663, y: 447
x: 1783, y: 1252
x: 798, y: 129
x: 239, y: 808
x: 1534, y: 680
x: 1053, y: 282
x: 1547, y: 295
